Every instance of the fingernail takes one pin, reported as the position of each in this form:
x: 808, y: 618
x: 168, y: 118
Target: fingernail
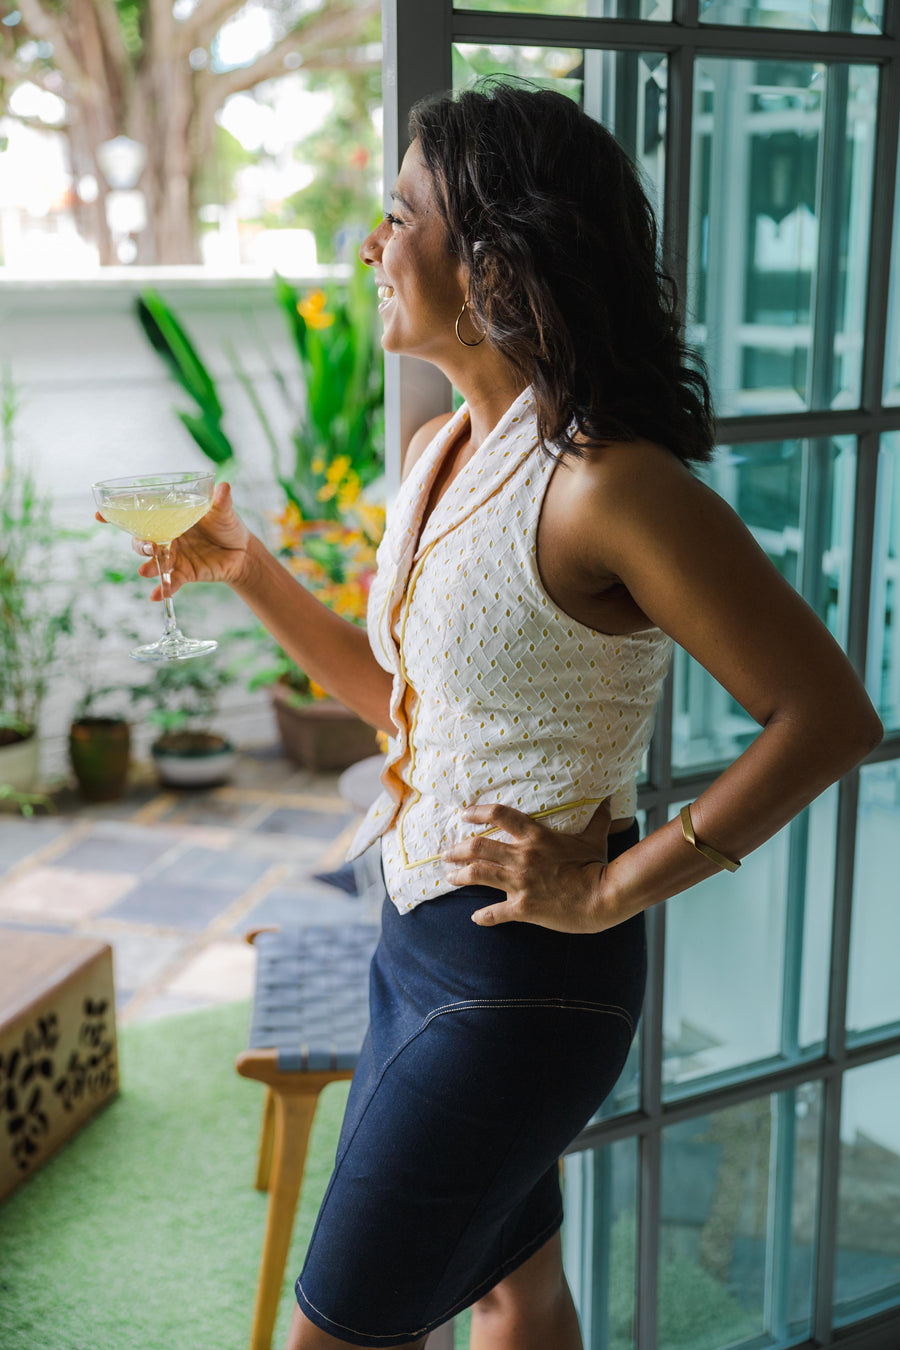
x: 147, y: 548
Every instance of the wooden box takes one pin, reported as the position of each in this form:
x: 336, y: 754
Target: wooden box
x: 58, y: 1060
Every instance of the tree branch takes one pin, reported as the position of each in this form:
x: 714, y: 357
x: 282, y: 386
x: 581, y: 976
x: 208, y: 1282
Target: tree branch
x: 108, y: 20
x: 36, y: 124
x: 46, y: 27
x: 199, y: 29
x: 311, y: 41
x: 21, y: 75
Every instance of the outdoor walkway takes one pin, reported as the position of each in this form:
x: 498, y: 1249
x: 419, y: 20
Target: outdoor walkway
x: 173, y: 879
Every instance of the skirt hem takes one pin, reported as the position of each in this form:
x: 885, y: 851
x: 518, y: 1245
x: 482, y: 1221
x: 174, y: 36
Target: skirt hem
x: 352, y: 1337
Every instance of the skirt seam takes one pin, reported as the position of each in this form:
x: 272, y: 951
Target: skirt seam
x: 561, y: 1004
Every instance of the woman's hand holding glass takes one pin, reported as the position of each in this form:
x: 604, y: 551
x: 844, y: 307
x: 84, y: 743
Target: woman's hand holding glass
x: 215, y: 549
x: 213, y: 545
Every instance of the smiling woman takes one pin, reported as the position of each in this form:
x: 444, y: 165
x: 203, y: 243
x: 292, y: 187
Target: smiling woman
x: 549, y: 545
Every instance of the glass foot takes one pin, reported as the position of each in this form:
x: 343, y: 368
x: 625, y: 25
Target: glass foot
x: 173, y: 647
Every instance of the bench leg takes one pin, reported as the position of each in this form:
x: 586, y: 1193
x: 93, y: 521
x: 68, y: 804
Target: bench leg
x: 292, y: 1116
x: 266, y: 1142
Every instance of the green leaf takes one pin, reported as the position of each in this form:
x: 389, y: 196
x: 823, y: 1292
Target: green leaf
x: 209, y: 436
x: 172, y: 342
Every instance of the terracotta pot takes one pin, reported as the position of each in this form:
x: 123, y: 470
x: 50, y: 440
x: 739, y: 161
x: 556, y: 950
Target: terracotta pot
x: 99, y: 750
x: 19, y: 760
x: 321, y: 735
x: 193, y: 759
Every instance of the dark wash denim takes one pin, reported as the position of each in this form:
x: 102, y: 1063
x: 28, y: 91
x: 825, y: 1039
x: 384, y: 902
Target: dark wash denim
x: 488, y: 1050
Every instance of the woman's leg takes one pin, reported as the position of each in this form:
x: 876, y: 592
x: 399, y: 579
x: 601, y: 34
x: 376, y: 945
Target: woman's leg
x: 303, y: 1335
x: 531, y: 1309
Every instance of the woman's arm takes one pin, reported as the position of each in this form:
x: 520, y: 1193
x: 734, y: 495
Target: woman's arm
x: 696, y: 572
x: 331, y: 650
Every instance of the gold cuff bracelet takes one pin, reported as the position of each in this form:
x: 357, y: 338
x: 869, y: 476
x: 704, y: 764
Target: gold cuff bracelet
x: 687, y: 829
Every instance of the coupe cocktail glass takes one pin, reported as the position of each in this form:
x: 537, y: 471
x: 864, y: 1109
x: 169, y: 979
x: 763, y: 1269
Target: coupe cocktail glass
x: 159, y: 507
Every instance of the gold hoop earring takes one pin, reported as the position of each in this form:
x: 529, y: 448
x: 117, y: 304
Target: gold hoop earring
x: 459, y: 336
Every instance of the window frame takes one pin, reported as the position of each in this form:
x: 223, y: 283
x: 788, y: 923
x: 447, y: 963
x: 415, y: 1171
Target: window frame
x: 418, y: 35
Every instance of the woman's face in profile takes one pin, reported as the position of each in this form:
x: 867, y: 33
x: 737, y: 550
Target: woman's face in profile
x: 421, y: 285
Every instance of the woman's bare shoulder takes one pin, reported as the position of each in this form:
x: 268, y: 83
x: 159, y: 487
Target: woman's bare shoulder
x: 421, y: 439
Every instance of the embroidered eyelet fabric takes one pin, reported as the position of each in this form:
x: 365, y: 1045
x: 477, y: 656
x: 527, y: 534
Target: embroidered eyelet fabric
x: 498, y: 695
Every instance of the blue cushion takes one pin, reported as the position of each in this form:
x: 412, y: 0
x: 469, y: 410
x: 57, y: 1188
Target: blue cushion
x: 312, y: 994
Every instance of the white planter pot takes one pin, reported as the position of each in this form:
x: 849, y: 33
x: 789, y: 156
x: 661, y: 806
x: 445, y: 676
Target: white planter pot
x: 20, y: 764
x: 204, y: 768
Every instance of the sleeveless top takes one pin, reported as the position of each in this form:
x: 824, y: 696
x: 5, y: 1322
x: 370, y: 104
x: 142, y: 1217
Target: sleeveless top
x: 498, y: 695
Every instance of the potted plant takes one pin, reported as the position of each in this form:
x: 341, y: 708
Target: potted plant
x: 334, y: 558
x: 187, y: 753
x: 100, y: 746
x: 100, y: 731
x: 35, y: 609
x: 332, y: 481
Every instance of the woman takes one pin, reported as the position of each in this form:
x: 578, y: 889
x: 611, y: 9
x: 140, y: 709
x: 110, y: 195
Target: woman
x: 548, y: 544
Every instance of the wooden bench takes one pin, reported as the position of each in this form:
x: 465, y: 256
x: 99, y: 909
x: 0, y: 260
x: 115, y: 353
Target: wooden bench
x: 58, y: 1054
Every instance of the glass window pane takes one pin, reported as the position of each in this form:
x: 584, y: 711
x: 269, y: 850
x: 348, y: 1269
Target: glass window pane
x: 867, y: 1267
x: 737, y: 1223
x: 856, y: 16
x: 873, y: 991
x: 626, y: 91
x: 599, y: 1242
x: 883, y: 657
x: 892, y: 351
x: 797, y: 499
x: 661, y: 10
x: 778, y: 248
x: 747, y: 958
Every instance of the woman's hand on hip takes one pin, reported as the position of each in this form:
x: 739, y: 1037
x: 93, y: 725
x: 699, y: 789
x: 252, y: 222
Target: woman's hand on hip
x: 551, y: 879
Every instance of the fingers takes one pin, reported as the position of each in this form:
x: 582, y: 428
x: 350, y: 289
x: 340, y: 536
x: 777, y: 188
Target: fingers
x: 494, y: 914
x: 498, y: 817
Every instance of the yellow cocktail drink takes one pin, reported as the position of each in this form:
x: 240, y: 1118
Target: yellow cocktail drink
x: 160, y: 507
x: 149, y: 516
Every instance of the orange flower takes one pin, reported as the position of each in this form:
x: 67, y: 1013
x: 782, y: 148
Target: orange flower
x: 312, y: 310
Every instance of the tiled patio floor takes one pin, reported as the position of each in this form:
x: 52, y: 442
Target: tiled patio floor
x: 173, y: 879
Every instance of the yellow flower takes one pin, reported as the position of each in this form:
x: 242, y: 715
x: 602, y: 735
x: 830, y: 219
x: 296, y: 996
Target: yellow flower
x: 318, y: 465
x: 338, y: 469
x: 326, y: 492
x: 313, y: 311
x: 317, y: 691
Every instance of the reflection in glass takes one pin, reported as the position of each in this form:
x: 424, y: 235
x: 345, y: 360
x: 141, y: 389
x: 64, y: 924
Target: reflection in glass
x: 746, y: 967
x: 626, y: 91
x: 779, y: 243
x: 661, y: 10
x: 797, y: 499
x: 857, y: 16
x: 867, y: 1266
x: 737, y: 1223
x: 873, y: 991
x: 883, y: 658
x: 599, y: 1242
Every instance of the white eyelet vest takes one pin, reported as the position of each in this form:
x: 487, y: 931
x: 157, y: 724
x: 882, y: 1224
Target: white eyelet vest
x: 498, y: 695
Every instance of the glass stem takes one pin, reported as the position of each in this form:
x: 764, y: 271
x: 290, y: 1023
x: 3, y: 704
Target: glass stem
x: 163, y: 554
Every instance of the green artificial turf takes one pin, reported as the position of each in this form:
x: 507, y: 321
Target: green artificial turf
x: 145, y: 1231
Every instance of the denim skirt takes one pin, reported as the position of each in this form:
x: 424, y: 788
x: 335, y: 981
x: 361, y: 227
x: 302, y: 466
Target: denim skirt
x: 488, y: 1050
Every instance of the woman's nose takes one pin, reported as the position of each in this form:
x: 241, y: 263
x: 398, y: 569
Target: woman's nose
x: 370, y: 249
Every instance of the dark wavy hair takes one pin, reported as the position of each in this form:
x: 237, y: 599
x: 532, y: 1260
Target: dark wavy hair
x: 548, y: 213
